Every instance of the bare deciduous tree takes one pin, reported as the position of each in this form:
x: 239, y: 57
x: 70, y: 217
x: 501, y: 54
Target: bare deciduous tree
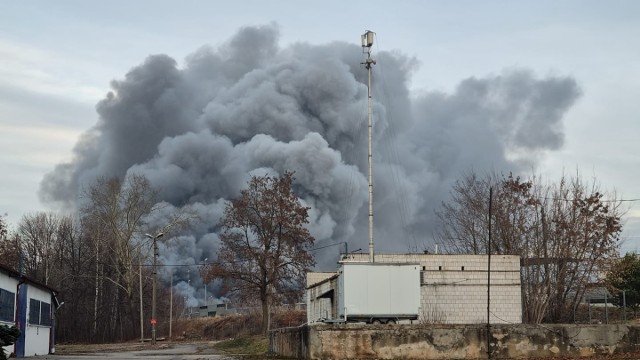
x: 98, y: 261
x: 38, y: 234
x: 3, y: 228
x: 564, y: 233
x: 265, y: 245
x: 116, y: 216
x: 117, y: 209
x: 9, y: 249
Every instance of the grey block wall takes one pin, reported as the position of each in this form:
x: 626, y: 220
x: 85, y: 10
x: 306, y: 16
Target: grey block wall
x: 454, y: 288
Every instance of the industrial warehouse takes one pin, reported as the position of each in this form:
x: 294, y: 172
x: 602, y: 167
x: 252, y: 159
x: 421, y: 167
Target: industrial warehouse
x: 423, y: 288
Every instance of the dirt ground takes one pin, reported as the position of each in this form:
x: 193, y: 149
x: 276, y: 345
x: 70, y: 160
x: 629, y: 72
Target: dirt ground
x: 200, y: 350
x: 192, y: 339
x: 71, y: 349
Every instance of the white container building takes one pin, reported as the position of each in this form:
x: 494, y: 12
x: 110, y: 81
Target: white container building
x: 30, y: 306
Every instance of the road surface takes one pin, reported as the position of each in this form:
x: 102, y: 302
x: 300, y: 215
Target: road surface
x: 175, y: 352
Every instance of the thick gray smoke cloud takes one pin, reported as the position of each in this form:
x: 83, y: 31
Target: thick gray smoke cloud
x: 199, y: 131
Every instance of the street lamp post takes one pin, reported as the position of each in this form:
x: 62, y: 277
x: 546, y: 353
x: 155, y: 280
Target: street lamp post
x: 155, y: 279
x: 206, y: 304
x: 185, y: 298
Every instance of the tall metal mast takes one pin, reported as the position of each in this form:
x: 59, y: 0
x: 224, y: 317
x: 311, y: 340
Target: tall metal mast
x: 367, y: 43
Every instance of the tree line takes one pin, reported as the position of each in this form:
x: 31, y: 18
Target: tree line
x: 99, y: 261
x: 566, y: 233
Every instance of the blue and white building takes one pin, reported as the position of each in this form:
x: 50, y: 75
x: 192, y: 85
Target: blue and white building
x: 30, y: 306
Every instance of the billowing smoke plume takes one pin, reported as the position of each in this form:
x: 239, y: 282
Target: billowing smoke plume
x: 199, y: 131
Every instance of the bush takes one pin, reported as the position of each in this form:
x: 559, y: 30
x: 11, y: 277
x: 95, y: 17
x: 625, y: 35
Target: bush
x: 8, y: 336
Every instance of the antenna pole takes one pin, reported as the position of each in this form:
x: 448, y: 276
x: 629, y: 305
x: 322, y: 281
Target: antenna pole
x: 367, y: 43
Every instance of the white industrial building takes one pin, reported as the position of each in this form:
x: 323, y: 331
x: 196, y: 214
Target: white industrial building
x: 453, y: 288
x: 30, y: 306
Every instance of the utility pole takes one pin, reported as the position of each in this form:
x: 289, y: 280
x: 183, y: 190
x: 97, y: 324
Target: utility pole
x: 185, y: 298
x: 367, y: 43
x: 154, y: 321
x: 489, y: 277
x: 171, y: 307
x: 141, y: 308
x: 624, y: 305
x: 204, y: 279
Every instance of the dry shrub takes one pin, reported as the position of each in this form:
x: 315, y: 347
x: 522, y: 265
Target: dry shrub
x: 190, y: 329
x: 288, y: 318
x: 234, y: 326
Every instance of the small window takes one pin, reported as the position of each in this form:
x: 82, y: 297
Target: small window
x: 439, y: 268
x: 462, y: 268
x: 424, y: 268
x: 7, y: 305
x: 45, y: 314
x: 34, y: 312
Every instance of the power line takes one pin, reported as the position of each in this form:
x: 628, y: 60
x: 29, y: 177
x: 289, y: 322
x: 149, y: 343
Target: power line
x: 151, y: 265
x: 578, y: 199
x: 326, y: 246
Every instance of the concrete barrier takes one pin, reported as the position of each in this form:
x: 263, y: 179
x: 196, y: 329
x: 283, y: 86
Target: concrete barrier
x: 360, y: 341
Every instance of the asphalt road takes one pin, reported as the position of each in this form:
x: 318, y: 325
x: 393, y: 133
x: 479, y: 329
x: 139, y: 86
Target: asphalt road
x: 176, y: 352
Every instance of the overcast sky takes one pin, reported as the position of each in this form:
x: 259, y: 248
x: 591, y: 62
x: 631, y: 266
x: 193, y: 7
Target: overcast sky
x: 57, y: 60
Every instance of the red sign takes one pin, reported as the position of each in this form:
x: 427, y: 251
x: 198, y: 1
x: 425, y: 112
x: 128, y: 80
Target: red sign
x: 153, y: 321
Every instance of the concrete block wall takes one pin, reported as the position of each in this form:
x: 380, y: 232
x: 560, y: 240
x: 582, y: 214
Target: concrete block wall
x: 317, y: 277
x: 468, y: 305
x: 454, y: 289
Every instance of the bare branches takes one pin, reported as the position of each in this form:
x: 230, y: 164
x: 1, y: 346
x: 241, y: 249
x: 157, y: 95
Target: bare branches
x: 117, y: 208
x: 265, y: 244
x: 564, y: 233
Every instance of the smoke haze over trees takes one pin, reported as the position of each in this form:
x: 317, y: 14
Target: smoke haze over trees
x: 199, y: 130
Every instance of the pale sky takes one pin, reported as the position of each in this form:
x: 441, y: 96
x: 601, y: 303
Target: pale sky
x: 58, y: 58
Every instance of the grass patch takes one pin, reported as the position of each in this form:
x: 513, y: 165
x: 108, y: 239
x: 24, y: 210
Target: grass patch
x: 250, y: 345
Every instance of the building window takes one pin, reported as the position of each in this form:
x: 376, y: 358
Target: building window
x: 7, y: 303
x: 39, y: 313
x: 45, y: 314
x: 34, y: 312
